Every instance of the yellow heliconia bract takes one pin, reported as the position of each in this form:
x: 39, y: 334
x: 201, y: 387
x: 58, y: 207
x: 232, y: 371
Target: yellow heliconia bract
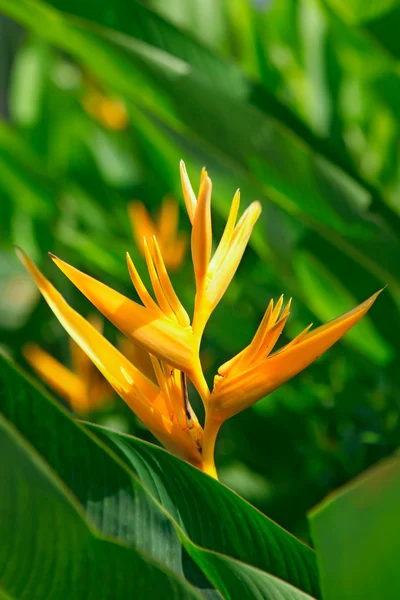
x: 167, y: 342
x: 255, y: 372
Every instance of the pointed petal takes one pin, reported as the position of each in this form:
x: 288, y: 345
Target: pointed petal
x: 277, y: 310
x: 223, y: 246
x: 230, y: 364
x: 173, y: 300
x: 188, y: 193
x: 299, y: 338
x: 203, y: 174
x: 159, y: 373
x: 141, y: 288
x: 233, y: 394
x: 202, y: 233
x: 158, y: 335
x: 60, y: 379
x: 155, y: 282
x: 81, y: 363
x: 272, y: 337
x: 228, y: 268
x: 252, y: 350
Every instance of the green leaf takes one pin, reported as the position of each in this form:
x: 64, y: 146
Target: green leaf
x: 172, y: 503
x: 49, y: 550
x: 356, y: 532
x: 213, y: 516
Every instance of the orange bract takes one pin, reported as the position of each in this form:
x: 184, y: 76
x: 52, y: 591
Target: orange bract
x: 255, y: 372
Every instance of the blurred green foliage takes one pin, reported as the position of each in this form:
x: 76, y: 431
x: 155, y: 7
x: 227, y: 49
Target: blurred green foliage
x: 296, y: 103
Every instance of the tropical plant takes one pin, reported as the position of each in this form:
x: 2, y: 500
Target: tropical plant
x: 171, y: 340
x: 297, y: 104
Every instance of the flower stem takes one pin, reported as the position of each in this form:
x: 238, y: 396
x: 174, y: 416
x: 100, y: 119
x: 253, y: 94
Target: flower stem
x: 211, y: 429
x: 197, y: 377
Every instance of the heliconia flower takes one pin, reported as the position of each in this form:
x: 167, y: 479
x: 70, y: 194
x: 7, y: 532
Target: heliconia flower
x: 165, y: 228
x: 83, y: 386
x: 214, y: 274
x: 168, y: 342
x: 255, y: 372
x: 164, y: 408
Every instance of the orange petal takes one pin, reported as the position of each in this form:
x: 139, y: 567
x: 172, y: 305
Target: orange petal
x: 141, y: 288
x: 169, y: 292
x: 157, y: 286
x: 223, y: 246
x: 233, y: 394
x: 203, y: 174
x: 158, y: 335
x: 81, y: 363
x: 202, y: 233
x: 228, y: 268
x: 188, y: 193
x: 246, y: 356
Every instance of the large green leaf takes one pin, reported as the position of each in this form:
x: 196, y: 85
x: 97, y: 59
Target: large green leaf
x: 357, y: 537
x: 143, y: 514
x: 49, y: 550
x: 194, y: 499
